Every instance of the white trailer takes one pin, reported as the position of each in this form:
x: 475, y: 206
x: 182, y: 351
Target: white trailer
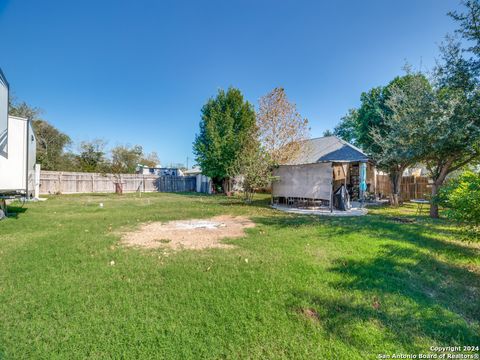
x: 17, y: 169
x: 3, y: 114
x: 17, y: 151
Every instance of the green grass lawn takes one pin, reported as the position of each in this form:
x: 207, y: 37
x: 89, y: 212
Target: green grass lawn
x: 312, y: 287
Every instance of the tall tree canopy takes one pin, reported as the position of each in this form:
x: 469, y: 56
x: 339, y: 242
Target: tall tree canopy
x: 125, y: 159
x: 347, y: 128
x: 469, y: 21
x: 23, y: 110
x: 380, y: 132
x: 451, y: 140
x: 92, y: 156
x: 51, y: 142
x: 228, y: 121
x: 396, y: 144
x: 150, y: 160
x: 281, y: 127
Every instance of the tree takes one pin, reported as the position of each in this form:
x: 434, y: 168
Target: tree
x: 398, y: 143
x: 451, y: 141
x: 150, y: 160
x: 358, y: 125
x: 227, y: 121
x: 380, y: 132
x: 92, y: 155
x: 51, y: 142
x: 254, y: 165
x: 125, y: 159
x: 328, y: 132
x: 470, y: 30
x: 69, y: 161
x: 23, y: 110
x: 281, y: 128
x: 461, y: 199
x: 347, y: 128
x: 440, y: 124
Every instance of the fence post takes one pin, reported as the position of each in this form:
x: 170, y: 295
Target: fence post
x: 415, y: 186
x: 60, y: 174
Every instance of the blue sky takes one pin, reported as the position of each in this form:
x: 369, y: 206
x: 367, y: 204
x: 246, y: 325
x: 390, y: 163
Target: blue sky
x: 138, y: 72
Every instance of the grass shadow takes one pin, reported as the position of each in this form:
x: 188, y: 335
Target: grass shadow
x: 416, y: 283
x: 429, y: 235
x: 13, y: 211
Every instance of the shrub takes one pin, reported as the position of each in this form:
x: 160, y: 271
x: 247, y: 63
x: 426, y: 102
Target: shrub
x: 461, y: 198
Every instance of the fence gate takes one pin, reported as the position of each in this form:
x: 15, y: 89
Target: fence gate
x: 176, y: 183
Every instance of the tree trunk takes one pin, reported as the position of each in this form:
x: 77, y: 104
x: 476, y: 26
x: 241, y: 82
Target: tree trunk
x: 433, y: 205
x: 226, y: 186
x: 437, y: 183
x: 396, y: 181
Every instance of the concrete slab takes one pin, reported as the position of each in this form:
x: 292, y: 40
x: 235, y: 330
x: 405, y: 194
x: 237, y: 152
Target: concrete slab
x: 322, y: 211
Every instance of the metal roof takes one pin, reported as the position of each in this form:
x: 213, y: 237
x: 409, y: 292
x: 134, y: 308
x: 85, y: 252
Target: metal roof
x: 327, y: 149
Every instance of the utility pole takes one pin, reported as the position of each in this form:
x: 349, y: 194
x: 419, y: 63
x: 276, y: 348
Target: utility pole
x: 187, y: 162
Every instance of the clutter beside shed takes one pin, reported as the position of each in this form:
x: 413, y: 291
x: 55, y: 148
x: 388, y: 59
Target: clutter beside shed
x: 327, y: 173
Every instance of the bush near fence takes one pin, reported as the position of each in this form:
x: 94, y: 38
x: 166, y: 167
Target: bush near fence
x: 412, y: 187
x: 61, y: 182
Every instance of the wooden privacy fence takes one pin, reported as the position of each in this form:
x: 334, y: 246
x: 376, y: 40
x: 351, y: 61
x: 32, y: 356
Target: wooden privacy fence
x: 176, y: 183
x: 59, y: 182
x: 412, y: 187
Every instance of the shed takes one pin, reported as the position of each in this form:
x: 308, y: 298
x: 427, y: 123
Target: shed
x: 321, y: 166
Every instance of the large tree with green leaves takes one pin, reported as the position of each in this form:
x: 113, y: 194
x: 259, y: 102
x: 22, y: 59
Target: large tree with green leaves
x: 382, y: 134
x: 397, y: 143
x: 255, y: 166
x: 92, y: 156
x: 451, y: 140
x: 469, y: 21
x: 51, y: 142
x: 227, y: 123
x: 439, y: 123
x: 125, y: 159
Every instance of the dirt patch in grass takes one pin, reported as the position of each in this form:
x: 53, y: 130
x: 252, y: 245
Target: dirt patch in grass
x: 196, y: 234
x: 310, y: 313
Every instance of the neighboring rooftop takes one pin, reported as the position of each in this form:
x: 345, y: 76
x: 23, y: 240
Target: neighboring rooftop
x: 327, y: 149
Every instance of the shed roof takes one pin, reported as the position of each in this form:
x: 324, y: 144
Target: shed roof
x: 327, y: 149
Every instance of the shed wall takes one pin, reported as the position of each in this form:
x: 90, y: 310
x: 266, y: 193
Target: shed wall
x: 313, y: 181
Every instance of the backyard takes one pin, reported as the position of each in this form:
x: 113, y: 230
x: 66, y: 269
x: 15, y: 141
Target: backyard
x: 294, y: 287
